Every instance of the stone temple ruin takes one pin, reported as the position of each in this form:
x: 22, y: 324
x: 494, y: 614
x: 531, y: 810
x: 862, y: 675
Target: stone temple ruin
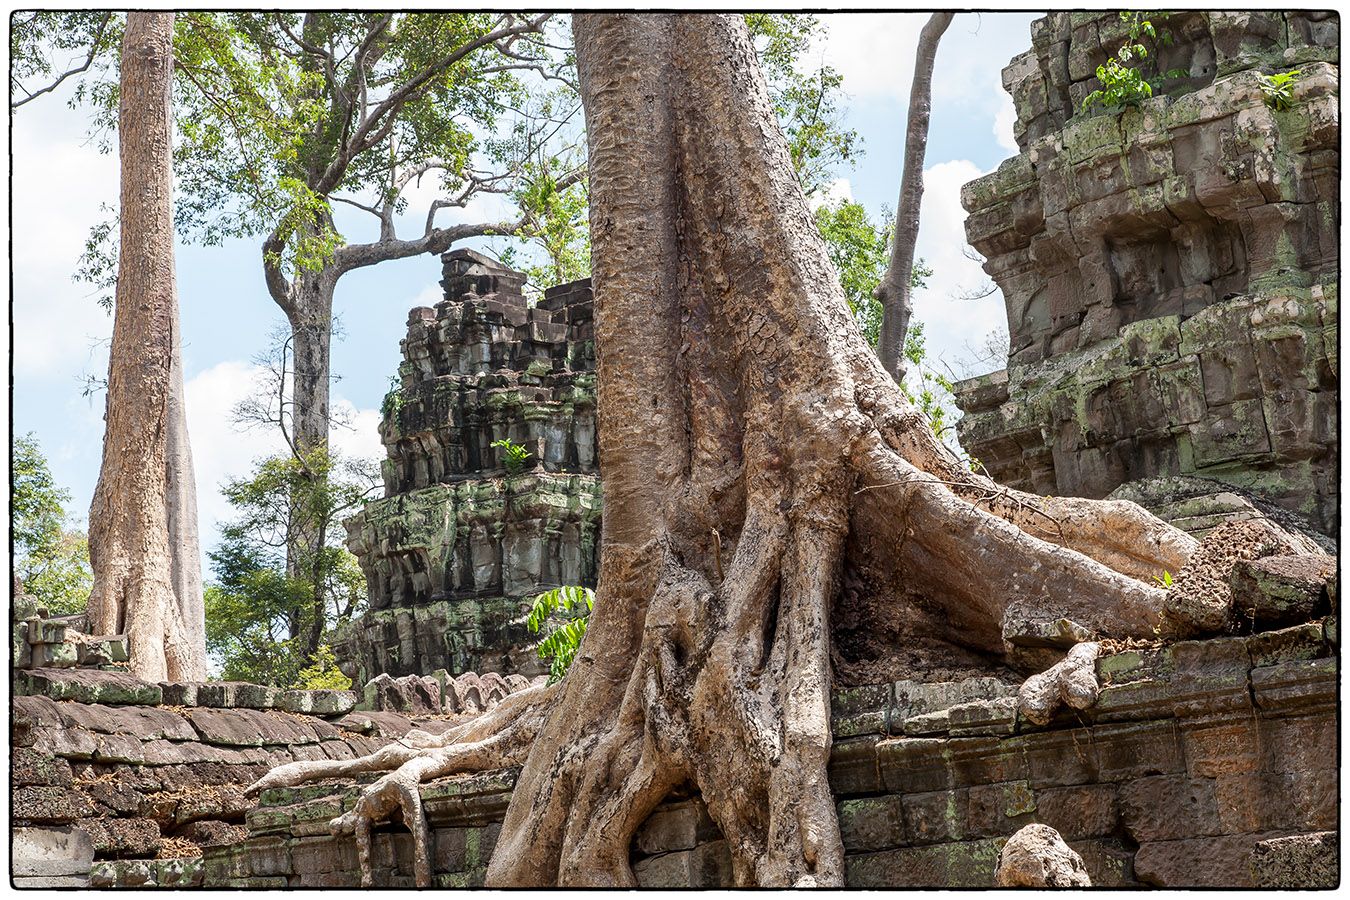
x: 1170, y: 276
x: 1170, y: 272
x: 455, y: 550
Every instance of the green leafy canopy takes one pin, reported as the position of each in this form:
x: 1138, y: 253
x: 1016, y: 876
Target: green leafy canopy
x: 51, y: 559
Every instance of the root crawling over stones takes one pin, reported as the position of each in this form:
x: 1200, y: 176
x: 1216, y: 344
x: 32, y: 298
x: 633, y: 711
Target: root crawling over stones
x: 1071, y: 681
x: 495, y: 740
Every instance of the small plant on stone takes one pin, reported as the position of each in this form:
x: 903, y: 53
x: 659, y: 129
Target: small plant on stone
x: 1278, y: 89
x: 559, y: 646
x: 1165, y: 580
x: 515, y: 457
x: 1122, y: 77
x: 392, y: 403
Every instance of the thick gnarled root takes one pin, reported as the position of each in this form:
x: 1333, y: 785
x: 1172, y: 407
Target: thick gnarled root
x: 1071, y: 681
x: 498, y: 739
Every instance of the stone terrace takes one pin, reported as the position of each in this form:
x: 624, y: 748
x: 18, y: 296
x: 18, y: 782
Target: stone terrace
x: 1196, y: 754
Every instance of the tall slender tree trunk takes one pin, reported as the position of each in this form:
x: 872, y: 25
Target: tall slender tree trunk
x: 762, y: 471
x: 181, y: 507
x: 311, y: 320
x: 128, y: 520
x: 896, y: 285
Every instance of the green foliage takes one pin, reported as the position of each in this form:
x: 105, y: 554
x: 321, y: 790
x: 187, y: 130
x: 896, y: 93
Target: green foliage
x: 926, y: 388
x: 515, y: 457
x: 267, y: 622
x: 860, y: 250
x: 281, y: 114
x: 393, y: 401
x: 1124, y: 77
x: 806, y: 98
x: 1278, y: 89
x: 1165, y: 580
x: 50, y: 558
x: 560, y: 644
x: 47, y: 46
x: 324, y: 674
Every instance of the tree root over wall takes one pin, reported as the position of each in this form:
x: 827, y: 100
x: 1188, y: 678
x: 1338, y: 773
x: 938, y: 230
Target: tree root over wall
x: 755, y: 457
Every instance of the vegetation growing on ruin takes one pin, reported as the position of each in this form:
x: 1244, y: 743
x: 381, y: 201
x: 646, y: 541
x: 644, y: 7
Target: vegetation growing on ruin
x: 1130, y: 76
x: 560, y: 615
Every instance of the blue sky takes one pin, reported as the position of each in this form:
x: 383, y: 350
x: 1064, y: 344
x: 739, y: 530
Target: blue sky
x: 60, y: 181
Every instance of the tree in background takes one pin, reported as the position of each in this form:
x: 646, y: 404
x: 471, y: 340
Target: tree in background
x: 51, y: 560
x: 859, y: 250
x: 894, y: 290
x: 269, y: 622
x: 36, y: 39
x: 133, y: 592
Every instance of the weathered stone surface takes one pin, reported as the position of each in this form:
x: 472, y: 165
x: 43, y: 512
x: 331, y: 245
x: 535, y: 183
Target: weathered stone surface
x: 32, y: 767
x: 1037, y: 857
x: 705, y: 866
x: 210, y: 833
x: 459, y: 544
x: 50, y: 804
x: 129, y: 836
x: 1305, y: 861
x: 50, y: 852
x: 317, y: 703
x: 1281, y: 590
x: 1169, y: 271
x: 961, y: 864
x: 872, y: 823
x: 1169, y: 807
x: 88, y: 686
x: 680, y: 826
x: 1223, y: 861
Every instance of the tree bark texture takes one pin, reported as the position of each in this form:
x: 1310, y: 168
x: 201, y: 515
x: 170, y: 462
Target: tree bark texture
x: 180, y: 503
x: 764, y: 477
x: 128, y: 520
x: 896, y: 286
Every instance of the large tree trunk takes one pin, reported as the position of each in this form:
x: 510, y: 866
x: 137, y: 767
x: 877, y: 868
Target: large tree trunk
x: 897, y: 285
x: 181, y: 507
x: 759, y: 466
x: 128, y: 524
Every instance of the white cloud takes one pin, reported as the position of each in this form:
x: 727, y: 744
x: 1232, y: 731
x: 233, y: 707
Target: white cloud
x: 223, y: 451
x: 951, y: 322
x: 875, y: 52
x: 836, y: 190
x: 1003, y: 124
x: 55, y: 202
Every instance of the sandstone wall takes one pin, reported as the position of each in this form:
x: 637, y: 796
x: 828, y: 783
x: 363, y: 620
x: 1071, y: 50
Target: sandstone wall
x: 1195, y: 754
x: 458, y: 545
x: 1170, y: 271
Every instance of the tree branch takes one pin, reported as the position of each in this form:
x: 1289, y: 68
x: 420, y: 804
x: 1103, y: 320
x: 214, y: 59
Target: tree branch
x: 88, y: 61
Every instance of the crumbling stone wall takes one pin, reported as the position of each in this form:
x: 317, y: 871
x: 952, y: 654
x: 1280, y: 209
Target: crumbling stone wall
x: 459, y: 544
x: 1170, y: 271
x: 1196, y: 756
x: 117, y: 782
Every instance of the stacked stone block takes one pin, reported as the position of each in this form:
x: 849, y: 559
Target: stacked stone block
x: 1196, y: 755
x: 1170, y: 271
x: 117, y: 782
x: 461, y: 542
